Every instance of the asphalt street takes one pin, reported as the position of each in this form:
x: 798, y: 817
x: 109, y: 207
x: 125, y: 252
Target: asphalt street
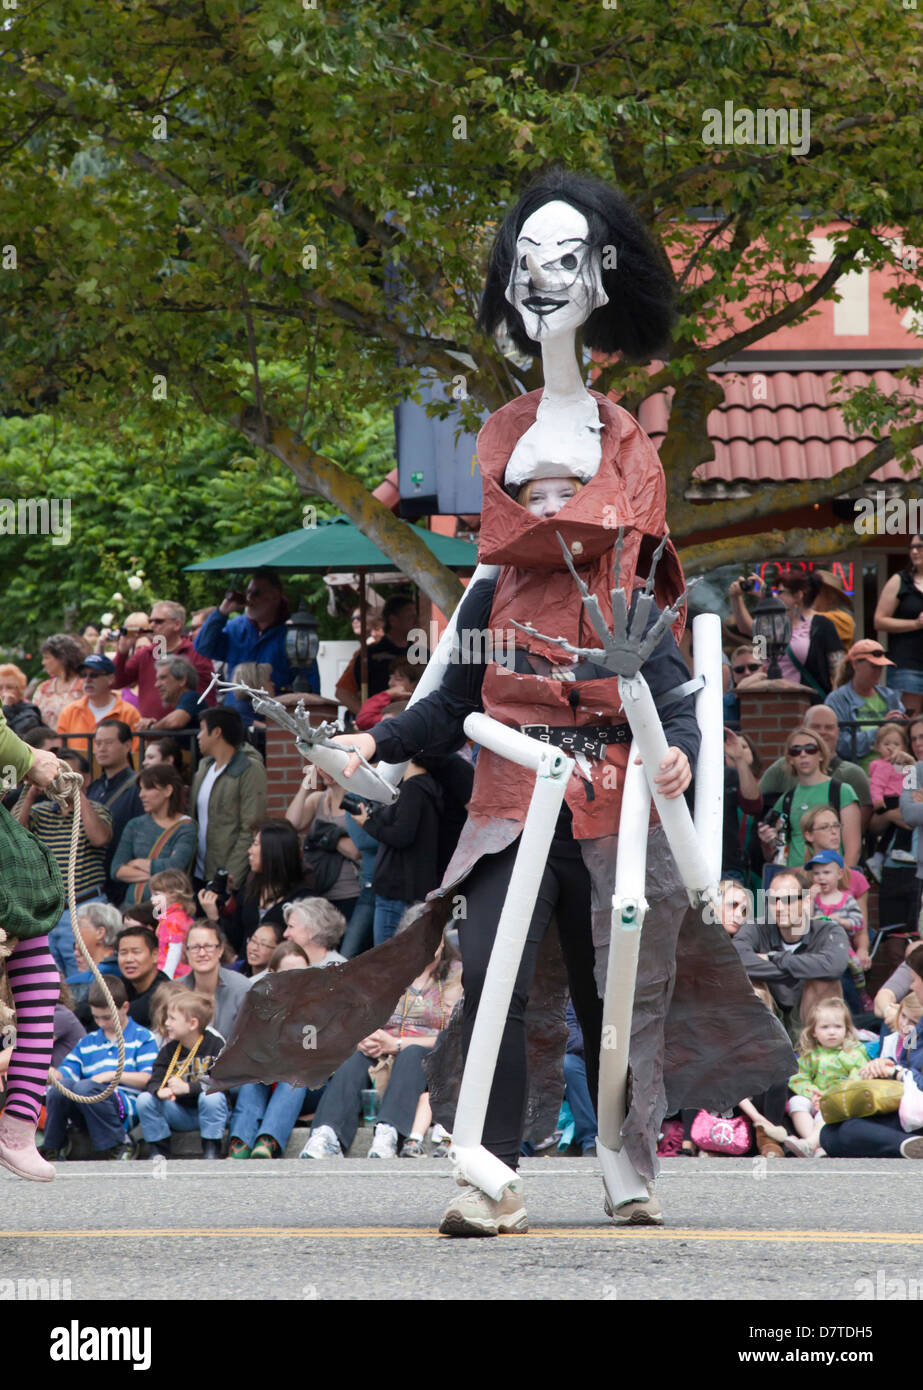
x: 357, y: 1229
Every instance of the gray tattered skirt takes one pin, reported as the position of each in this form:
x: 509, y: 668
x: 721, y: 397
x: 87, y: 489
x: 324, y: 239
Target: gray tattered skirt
x: 700, y: 1036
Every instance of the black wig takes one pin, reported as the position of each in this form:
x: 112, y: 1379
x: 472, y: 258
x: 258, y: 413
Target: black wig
x: 638, y: 318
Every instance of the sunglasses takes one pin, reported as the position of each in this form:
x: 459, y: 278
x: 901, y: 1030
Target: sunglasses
x: 750, y: 666
x: 797, y: 748
x: 788, y: 901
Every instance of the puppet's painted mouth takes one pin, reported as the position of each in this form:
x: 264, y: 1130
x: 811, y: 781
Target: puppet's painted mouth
x: 540, y: 305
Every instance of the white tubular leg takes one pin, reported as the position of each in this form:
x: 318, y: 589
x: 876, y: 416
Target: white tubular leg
x: 481, y: 1168
x: 435, y: 669
x: 629, y: 906
x: 650, y: 741
x: 709, y: 712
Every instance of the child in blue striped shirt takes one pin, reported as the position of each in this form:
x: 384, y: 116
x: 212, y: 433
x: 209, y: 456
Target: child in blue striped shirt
x: 88, y: 1069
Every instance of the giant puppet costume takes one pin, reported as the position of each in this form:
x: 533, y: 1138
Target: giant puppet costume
x: 572, y: 524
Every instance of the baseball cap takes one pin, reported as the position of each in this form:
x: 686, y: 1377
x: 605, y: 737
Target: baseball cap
x: 826, y: 856
x: 100, y: 665
x: 868, y: 650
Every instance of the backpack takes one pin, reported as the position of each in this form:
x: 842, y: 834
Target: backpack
x: 320, y: 854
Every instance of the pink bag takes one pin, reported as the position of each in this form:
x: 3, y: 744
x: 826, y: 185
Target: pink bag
x: 713, y: 1135
x: 911, y: 1106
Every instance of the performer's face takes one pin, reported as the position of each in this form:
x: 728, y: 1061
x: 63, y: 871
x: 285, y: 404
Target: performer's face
x: 556, y: 280
x: 546, y: 496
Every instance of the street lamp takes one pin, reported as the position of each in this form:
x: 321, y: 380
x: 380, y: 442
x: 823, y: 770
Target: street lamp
x: 772, y: 626
x: 301, y: 642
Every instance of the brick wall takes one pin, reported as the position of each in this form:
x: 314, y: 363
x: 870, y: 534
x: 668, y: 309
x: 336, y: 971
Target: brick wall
x: 284, y: 764
x: 768, y: 715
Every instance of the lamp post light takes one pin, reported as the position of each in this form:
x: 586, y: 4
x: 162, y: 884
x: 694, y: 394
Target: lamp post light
x: 301, y: 643
x: 771, y: 624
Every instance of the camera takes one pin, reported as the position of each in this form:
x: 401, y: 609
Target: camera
x: 219, y: 886
x: 748, y: 585
x: 351, y: 803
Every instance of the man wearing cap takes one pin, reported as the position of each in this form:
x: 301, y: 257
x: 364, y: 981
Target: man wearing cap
x: 100, y: 702
x: 864, y: 696
x: 823, y: 723
x: 834, y: 602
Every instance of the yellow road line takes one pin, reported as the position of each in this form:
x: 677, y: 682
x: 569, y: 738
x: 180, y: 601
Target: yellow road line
x: 427, y: 1232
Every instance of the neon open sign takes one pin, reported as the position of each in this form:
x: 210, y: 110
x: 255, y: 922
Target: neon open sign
x: 771, y: 571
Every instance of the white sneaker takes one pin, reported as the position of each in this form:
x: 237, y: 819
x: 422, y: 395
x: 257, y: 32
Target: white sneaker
x: 646, y: 1211
x: 802, y: 1148
x: 322, y: 1143
x: 473, y: 1213
x: 384, y: 1143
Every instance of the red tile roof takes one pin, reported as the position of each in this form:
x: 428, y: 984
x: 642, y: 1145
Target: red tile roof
x: 796, y: 432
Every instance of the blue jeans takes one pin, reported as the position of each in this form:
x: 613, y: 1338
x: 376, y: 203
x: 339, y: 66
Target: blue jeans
x: 577, y: 1095
x: 358, y: 936
x: 158, y: 1117
x: 61, y: 940
x: 103, y: 1120
x: 262, y: 1110
x: 388, y: 912
x: 878, y: 1136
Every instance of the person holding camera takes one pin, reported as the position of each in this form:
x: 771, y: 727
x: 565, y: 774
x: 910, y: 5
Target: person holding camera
x: 276, y: 876
x: 137, y: 665
x: 257, y: 634
x: 815, y: 650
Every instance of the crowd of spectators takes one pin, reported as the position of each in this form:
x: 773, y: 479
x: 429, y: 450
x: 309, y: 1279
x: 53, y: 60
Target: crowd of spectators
x: 189, y: 894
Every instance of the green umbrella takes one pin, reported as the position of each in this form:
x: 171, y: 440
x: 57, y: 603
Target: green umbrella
x: 334, y: 544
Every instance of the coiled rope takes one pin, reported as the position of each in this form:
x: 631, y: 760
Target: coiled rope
x: 66, y: 787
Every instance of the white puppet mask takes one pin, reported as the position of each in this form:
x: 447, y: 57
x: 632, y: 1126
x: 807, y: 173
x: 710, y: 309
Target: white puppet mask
x: 556, y: 280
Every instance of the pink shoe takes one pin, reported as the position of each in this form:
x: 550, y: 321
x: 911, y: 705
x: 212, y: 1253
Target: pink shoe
x: 18, y: 1153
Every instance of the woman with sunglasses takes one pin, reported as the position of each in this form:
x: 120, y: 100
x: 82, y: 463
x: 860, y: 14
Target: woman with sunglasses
x: 807, y: 758
x: 900, y: 614
x: 861, y: 695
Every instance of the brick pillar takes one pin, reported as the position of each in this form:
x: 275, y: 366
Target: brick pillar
x: 768, y: 714
x: 284, y: 764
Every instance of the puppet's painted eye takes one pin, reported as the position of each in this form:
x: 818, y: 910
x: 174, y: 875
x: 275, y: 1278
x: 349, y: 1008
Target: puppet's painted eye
x: 569, y: 261
x: 522, y: 263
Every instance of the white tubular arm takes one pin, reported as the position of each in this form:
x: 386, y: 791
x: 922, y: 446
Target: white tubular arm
x: 435, y: 669
x: 481, y: 1168
x: 709, y: 713
x: 650, y: 741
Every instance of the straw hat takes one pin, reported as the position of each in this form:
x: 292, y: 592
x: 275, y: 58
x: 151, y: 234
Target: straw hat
x: 829, y: 580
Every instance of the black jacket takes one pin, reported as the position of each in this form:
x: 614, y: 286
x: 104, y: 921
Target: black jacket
x: 821, y: 954
x: 407, y: 865
x: 242, y: 916
x: 824, y: 641
x: 201, y: 1065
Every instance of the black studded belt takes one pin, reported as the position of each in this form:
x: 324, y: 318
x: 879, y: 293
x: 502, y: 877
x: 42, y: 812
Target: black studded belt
x: 591, y: 740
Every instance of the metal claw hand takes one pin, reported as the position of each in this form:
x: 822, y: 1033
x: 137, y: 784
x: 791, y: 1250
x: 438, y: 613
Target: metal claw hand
x: 626, y: 648
x: 296, y: 721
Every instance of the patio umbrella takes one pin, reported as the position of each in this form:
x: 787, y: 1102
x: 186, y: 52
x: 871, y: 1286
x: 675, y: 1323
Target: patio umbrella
x: 336, y: 543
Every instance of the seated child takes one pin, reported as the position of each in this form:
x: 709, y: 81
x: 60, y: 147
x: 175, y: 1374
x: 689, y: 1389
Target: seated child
x: 173, y: 901
x: 831, y: 898
x: 89, y: 1067
x: 829, y: 1051
x: 902, y: 1039
x: 175, y: 1098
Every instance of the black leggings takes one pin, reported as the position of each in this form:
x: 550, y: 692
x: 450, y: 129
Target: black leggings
x: 565, y: 892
